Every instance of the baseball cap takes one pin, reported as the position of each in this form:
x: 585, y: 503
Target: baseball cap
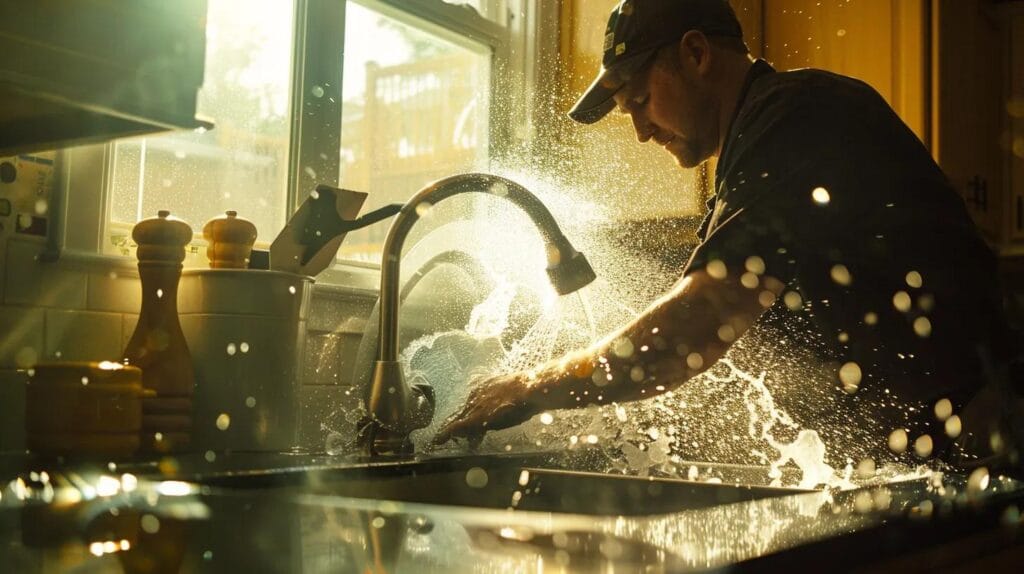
x: 636, y: 30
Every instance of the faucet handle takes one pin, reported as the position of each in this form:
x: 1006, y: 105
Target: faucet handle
x: 422, y: 406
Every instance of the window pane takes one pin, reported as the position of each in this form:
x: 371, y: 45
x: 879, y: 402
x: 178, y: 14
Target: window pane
x: 242, y: 164
x: 494, y: 10
x: 415, y: 109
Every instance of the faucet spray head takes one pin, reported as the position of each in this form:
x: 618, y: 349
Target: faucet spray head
x: 571, y: 273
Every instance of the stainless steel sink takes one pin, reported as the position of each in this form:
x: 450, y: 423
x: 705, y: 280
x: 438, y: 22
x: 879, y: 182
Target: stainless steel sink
x: 500, y: 482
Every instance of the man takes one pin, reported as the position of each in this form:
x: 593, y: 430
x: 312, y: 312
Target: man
x: 827, y: 207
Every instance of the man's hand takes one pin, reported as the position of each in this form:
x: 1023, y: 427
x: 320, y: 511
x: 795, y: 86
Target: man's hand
x: 494, y: 403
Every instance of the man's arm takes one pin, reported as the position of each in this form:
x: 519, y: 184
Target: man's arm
x: 679, y: 336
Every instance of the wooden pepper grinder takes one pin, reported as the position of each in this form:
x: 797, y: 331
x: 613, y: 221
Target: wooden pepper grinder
x: 230, y: 241
x: 158, y: 346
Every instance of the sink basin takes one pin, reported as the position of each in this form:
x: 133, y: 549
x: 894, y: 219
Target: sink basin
x: 500, y: 482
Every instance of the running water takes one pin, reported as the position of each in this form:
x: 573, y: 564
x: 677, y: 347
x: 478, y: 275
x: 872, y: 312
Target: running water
x: 725, y: 415
x: 585, y: 305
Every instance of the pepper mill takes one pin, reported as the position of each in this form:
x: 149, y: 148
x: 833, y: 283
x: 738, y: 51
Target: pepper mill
x: 158, y: 346
x: 230, y: 241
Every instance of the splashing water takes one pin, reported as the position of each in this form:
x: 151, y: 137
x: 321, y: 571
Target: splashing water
x: 585, y: 305
x: 725, y: 415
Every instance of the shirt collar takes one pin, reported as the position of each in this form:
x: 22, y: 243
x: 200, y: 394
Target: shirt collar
x: 759, y: 68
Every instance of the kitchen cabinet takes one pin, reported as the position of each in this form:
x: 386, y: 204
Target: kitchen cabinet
x: 93, y: 70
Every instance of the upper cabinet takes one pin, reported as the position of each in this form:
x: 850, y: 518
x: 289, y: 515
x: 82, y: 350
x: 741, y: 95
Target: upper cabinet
x: 93, y: 70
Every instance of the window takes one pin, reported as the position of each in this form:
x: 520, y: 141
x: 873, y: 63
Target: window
x: 242, y: 164
x: 415, y: 87
x: 415, y: 109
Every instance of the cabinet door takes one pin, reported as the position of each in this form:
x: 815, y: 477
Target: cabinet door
x: 1015, y: 122
x: 968, y: 96
x: 882, y: 42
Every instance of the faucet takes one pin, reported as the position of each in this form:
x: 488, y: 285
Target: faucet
x: 396, y: 408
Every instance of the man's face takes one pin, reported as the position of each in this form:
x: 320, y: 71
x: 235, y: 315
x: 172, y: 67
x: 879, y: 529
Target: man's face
x: 670, y: 104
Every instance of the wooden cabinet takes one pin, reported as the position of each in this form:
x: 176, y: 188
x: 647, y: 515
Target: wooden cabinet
x: 969, y: 47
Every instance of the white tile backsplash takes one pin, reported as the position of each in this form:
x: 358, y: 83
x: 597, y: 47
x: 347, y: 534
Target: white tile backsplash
x: 113, y: 291
x: 21, y: 336
x: 82, y: 336
x: 27, y: 281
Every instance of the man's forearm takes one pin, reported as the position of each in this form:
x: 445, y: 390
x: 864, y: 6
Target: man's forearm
x: 678, y: 337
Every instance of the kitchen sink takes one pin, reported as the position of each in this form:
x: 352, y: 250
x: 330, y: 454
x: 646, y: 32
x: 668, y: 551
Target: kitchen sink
x: 505, y: 482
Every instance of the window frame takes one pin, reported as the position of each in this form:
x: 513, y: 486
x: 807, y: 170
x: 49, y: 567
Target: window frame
x: 315, y: 138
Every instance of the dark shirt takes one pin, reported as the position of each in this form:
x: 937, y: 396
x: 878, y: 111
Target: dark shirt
x: 887, y: 264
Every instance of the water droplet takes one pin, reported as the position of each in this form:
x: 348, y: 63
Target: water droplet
x: 314, y: 194
x: 755, y: 265
x: 898, y: 441
x: 291, y: 289
x: 901, y: 300
x: 749, y: 280
x: 922, y: 327
x: 591, y: 439
x: 821, y: 196
x: 499, y: 189
x: 41, y: 207
x: 159, y: 293
x: 923, y: 446
x: 208, y: 555
x: 250, y: 402
x: 844, y: 337
x: 546, y: 418
x: 766, y: 298
x: 871, y: 318
x: 793, y: 300
x: 636, y: 374
x: 223, y: 421
x: 953, y: 426
x: 914, y: 280
x: 378, y: 522
x: 943, y: 409
x: 863, y: 503
x: 694, y: 361
x: 841, y: 275
x: 476, y: 477
x: 850, y: 375
x: 841, y: 32
x: 978, y: 481
x: 726, y: 333
x: 210, y: 456
x: 232, y: 349
x: 310, y: 172
x: 317, y: 91
x: 424, y: 208
x: 717, y: 270
x: 85, y: 380
x: 622, y: 348
x: 866, y: 468
x: 150, y: 524
x: 244, y: 347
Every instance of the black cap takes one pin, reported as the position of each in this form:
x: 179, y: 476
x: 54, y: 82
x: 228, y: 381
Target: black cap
x: 636, y: 30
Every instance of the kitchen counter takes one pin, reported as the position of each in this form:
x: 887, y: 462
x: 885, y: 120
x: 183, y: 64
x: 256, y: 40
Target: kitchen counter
x: 301, y: 513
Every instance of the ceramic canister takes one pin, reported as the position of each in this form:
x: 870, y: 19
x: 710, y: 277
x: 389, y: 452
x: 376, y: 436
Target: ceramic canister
x: 246, y: 330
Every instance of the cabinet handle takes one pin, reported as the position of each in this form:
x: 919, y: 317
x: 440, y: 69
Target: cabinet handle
x: 977, y: 192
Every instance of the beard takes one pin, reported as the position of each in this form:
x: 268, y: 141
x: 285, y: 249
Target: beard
x: 686, y: 153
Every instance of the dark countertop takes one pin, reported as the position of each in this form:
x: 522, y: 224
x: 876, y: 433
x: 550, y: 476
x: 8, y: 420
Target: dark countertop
x: 303, y: 513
